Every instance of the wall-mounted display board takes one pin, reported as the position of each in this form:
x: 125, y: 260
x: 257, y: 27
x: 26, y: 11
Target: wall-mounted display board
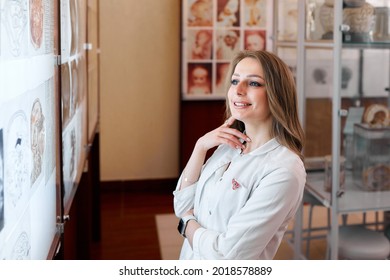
x: 74, y: 94
x: 93, y: 67
x: 212, y: 32
x: 28, y: 115
x: 43, y: 121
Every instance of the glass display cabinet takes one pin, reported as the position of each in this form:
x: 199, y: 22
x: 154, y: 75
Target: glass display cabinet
x: 340, y: 54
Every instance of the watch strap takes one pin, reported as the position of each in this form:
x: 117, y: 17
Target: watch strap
x: 183, y: 224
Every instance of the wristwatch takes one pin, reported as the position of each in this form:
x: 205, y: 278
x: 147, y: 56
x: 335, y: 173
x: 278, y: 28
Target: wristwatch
x: 183, y: 224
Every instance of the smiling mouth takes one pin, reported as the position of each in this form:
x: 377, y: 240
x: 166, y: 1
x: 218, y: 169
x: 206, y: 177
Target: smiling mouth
x: 241, y: 104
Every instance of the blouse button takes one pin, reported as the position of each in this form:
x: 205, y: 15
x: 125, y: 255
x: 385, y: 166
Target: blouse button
x: 209, y: 212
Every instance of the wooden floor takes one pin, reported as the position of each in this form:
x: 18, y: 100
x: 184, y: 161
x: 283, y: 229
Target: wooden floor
x: 128, y: 227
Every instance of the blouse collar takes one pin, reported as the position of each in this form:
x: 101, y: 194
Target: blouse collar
x: 263, y: 149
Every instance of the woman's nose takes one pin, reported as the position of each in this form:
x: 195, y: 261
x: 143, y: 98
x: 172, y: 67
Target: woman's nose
x: 241, y: 88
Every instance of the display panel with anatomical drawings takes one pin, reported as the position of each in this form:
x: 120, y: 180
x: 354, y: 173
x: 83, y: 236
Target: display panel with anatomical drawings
x: 43, y: 88
x: 213, y: 31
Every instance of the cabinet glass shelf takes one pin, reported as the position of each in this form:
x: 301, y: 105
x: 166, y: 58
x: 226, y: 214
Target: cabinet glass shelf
x: 370, y: 45
x: 353, y: 199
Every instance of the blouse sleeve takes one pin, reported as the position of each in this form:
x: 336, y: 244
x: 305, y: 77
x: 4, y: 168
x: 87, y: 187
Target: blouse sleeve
x: 260, y: 223
x: 183, y: 199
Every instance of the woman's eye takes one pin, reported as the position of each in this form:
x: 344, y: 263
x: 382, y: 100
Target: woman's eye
x: 255, y: 84
x: 234, y: 82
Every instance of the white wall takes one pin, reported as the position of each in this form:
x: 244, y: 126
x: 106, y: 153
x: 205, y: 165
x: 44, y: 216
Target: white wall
x: 139, y: 102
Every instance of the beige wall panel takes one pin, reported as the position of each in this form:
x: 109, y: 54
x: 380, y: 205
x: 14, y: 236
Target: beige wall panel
x: 140, y: 64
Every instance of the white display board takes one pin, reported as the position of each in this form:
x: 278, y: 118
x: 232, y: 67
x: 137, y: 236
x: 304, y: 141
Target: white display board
x: 27, y: 129
x: 39, y: 95
x: 73, y: 94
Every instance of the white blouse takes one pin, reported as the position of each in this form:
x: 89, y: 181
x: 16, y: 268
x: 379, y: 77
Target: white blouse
x: 242, y: 202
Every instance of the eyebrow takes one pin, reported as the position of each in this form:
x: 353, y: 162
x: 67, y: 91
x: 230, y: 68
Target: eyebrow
x: 250, y: 76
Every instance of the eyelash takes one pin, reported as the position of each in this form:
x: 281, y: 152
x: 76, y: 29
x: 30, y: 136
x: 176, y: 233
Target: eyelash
x: 251, y: 83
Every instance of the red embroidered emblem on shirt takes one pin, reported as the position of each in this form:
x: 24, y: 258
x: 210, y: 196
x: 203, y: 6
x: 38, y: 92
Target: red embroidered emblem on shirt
x: 235, y: 184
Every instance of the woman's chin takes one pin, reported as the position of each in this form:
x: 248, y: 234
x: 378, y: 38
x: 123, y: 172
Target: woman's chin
x: 237, y: 116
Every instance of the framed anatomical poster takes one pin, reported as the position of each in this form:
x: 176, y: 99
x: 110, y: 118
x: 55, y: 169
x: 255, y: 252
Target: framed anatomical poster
x: 212, y: 32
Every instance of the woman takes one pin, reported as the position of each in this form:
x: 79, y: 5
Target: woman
x: 239, y: 203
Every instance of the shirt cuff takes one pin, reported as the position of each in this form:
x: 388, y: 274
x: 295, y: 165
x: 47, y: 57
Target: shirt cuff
x: 183, y: 200
x: 185, y: 193
x: 196, y: 242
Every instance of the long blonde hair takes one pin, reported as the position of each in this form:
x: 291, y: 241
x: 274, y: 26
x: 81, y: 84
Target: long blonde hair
x: 282, y: 99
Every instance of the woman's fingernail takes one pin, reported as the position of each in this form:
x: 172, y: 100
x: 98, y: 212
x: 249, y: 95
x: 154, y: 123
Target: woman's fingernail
x: 248, y: 139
